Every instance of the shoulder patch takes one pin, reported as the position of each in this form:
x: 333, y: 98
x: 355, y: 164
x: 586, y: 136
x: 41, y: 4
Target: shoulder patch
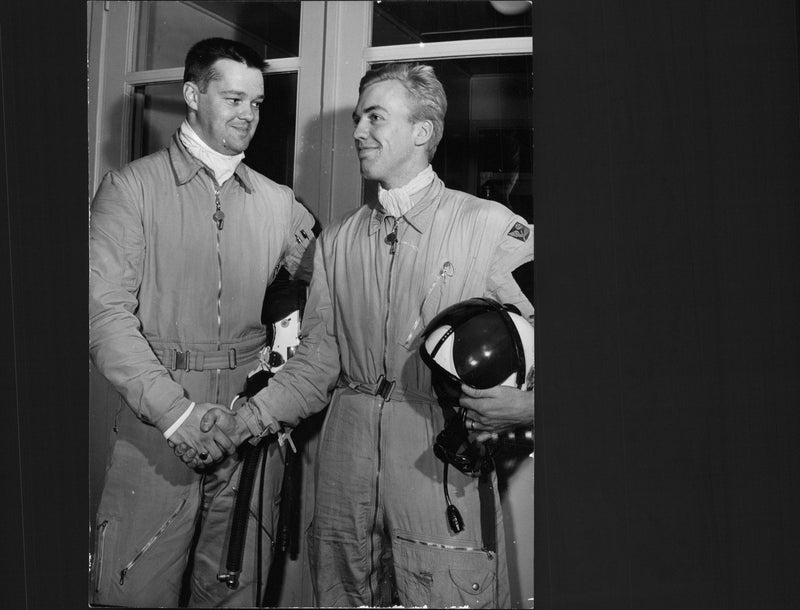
x: 519, y: 231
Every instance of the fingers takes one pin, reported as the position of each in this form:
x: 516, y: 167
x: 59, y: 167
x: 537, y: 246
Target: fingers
x: 208, y: 420
x: 472, y: 392
x: 224, y: 442
x: 473, y: 425
x: 485, y: 436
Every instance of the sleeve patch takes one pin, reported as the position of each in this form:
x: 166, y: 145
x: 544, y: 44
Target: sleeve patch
x: 519, y: 231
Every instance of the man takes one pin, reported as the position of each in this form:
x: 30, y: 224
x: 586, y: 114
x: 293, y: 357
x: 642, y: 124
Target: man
x: 183, y: 244
x: 380, y: 275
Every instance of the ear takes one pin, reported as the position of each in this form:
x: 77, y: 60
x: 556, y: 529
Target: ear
x: 423, y: 132
x: 190, y: 94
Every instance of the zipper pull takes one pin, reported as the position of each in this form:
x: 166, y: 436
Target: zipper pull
x: 122, y: 575
x: 219, y: 215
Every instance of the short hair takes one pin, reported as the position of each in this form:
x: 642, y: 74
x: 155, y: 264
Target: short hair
x: 426, y: 90
x: 203, y: 55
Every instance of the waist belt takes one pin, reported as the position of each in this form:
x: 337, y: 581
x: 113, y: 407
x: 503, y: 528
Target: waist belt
x: 385, y: 388
x: 199, y: 360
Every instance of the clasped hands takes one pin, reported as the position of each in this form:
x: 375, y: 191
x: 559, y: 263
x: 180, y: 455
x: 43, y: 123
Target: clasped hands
x: 208, y: 435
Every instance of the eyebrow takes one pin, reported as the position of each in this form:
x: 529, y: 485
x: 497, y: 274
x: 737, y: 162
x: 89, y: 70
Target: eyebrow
x: 239, y: 93
x: 368, y: 110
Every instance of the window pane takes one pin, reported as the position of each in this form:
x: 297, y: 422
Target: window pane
x: 168, y: 29
x: 399, y: 22
x: 159, y: 110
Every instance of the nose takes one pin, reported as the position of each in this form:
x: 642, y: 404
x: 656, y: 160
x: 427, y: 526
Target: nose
x: 247, y: 112
x: 360, y: 131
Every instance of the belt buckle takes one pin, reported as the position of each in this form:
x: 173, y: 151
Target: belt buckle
x: 384, y: 388
x: 182, y: 360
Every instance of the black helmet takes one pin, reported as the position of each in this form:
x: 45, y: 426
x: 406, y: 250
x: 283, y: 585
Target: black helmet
x: 478, y: 342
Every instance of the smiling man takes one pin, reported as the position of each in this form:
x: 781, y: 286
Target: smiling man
x: 380, y: 532
x: 183, y: 245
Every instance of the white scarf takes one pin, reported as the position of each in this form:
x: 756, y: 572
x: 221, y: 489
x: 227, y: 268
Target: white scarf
x: 223, y: 166
x: 397, y: 202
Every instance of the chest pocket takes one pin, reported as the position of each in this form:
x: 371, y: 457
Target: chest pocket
x: 434, y: 289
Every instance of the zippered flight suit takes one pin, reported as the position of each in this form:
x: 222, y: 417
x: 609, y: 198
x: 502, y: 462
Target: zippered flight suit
x: 379, y: 492
x: 175, y: 316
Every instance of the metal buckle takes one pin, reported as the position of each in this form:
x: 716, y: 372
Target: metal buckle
x: 384, y: 388
x: 182, y: 360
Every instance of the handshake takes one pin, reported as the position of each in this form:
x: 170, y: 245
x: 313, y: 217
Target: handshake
x: 208, y: 435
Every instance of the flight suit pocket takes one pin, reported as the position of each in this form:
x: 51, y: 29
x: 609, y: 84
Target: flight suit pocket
x: 103, y: 553
x: 429, y: 306
x: 441, y: 575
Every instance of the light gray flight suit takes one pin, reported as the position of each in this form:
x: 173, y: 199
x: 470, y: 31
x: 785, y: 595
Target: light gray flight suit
x: 379, y: 493
x: 175, y: 316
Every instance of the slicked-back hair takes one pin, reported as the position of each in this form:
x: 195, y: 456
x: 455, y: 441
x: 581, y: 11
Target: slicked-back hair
x: 429, y: 99
x: 200, y: 60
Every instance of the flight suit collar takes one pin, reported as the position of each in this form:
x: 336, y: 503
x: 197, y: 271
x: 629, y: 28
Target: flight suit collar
x: 418, y: 217
x: 185, y: 166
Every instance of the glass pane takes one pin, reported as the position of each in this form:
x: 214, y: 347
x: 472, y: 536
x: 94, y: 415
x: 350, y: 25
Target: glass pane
x: 399, y: 22
x: 159, y: 110
x: 168, y: 29
x: 487, y: 147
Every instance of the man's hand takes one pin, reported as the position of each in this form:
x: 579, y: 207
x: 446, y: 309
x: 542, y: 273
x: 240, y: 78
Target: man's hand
x: 496, y: 409
x: 233, y: 426
x: 199, y: 447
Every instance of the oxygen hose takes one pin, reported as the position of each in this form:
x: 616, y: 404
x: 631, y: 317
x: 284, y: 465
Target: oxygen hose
x: 454, y: 519
x: 289, y: 508
x: 241, y: 510
x: 281, y: 313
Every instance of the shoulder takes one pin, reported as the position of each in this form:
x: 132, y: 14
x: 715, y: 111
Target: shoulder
x: 263, y: 185
x: 137, y: 168
x: 138, y: 173
x: 350, y: 221
x: 474, y: 207
x: 495, y: 221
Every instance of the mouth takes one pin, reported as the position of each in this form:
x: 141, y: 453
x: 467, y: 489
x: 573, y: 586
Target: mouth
x: 243, y: 130
x: 366, y: 151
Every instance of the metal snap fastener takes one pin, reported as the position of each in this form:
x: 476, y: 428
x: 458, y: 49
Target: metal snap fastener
x: 475, y: 586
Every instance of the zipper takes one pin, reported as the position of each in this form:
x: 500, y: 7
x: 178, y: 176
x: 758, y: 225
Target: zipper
x: 447, y: 547
x: 150, y: 542
x: 218, y: 217
x: 392, y: 252
x: 98, y: 556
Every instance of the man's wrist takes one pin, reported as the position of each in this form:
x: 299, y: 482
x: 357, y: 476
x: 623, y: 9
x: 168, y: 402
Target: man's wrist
x: 177, y: 423
x: 250, y: 419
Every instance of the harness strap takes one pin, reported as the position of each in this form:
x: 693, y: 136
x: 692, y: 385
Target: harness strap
x: 385, y: 388
x: 488, y: 516
x: 200, y: 360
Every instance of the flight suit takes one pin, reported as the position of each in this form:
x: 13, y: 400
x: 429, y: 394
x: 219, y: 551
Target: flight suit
x: 379, y: 509
x: 175, y: 316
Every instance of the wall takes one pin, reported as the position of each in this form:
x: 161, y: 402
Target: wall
x: 667, y: 174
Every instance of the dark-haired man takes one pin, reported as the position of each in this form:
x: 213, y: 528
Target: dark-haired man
x: 183, y: 244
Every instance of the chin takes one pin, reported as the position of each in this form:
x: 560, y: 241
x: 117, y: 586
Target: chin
x: 369, y: 174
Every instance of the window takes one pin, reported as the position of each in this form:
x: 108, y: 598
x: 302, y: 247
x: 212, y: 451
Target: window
x: 165, y: 32
x: 397, y: 23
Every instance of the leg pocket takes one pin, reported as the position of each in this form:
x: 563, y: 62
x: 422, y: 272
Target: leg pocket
x: 439, y: 575
x: 101, y: 559
x: 139, y: 562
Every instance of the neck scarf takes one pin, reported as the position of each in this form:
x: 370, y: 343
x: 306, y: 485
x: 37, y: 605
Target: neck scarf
x: 397, y: 202
x: 223, y: 166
